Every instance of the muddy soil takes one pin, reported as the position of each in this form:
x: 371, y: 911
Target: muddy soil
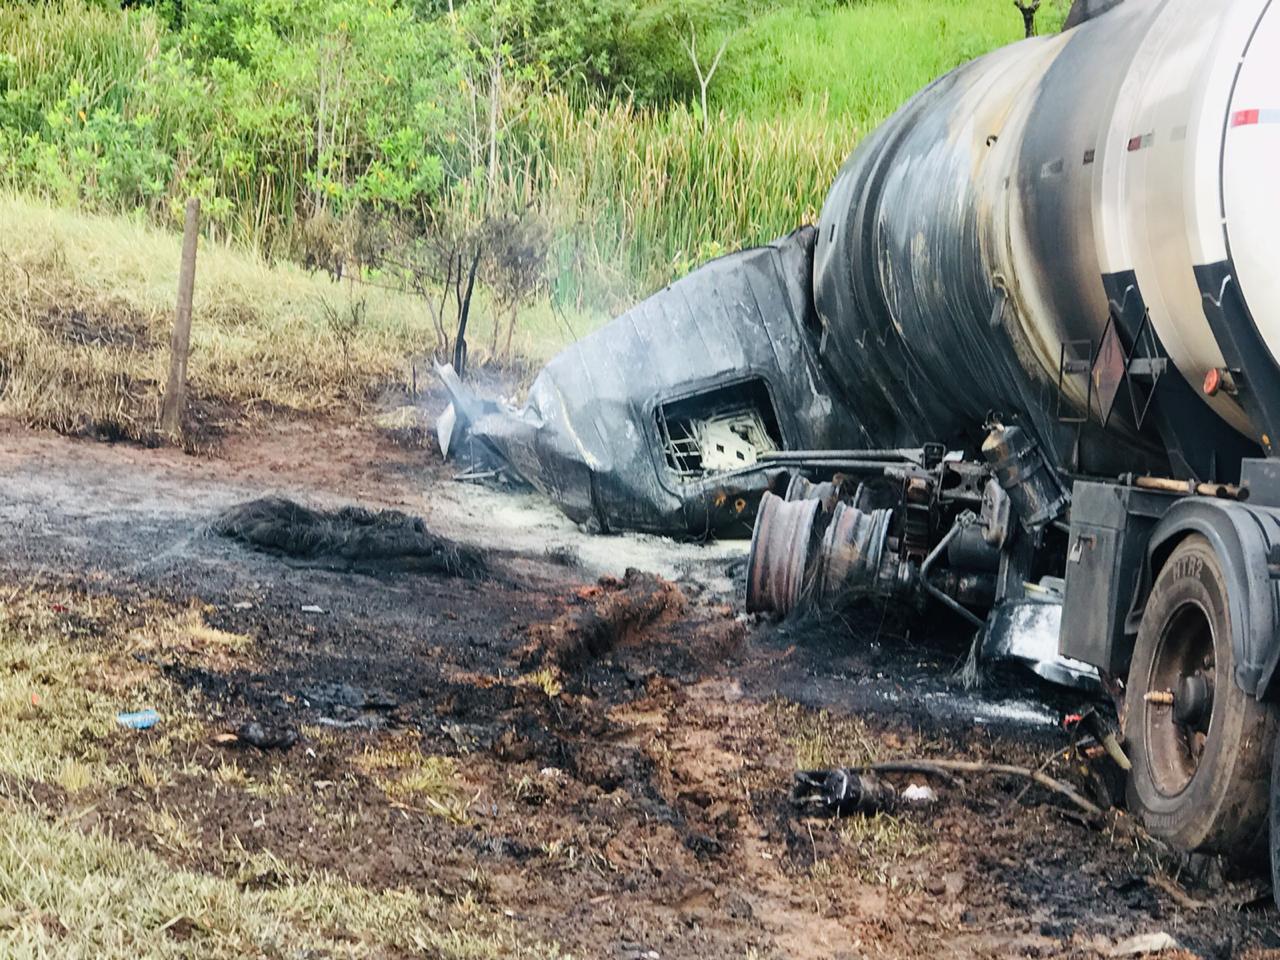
x: 619, y: 745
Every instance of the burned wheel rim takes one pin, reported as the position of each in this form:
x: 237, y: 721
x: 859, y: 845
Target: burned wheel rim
x: 1177, y: 733
x: 780, y: 548
x: 801, y: 488
x: 852, y: 549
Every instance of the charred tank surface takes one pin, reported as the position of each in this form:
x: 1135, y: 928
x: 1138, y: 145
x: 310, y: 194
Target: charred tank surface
x: 1026, y: 372
x: 660, y: 421
x: 993, y: 247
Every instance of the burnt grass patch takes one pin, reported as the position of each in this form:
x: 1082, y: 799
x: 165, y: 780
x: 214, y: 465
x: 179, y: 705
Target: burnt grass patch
x: 609, y: 781
x: 120, y: 328
x: 349, y: 539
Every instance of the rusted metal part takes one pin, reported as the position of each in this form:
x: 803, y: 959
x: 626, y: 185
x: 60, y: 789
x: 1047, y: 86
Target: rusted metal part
x: 780, y: 548
x: 1223, y: 491
x: 852, y: 551
x: 917, y: 520
x: 962, y: 481
x: 826, y: 493
x: 1026, y: 475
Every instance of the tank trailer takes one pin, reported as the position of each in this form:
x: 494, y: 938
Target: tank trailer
x: 1024, y: 366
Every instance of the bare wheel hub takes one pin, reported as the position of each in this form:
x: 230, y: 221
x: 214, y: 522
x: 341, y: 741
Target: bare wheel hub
x: 780, y: 548
x: 1193, y: 700
x: 1178, y: 723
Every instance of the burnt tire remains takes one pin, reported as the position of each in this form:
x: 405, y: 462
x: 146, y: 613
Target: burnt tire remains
x: 1275, y: 824
x: 349, y: 539
x: 1200, y: 746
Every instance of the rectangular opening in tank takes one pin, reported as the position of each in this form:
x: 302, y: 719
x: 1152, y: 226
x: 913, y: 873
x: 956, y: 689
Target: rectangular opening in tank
x: 718, y: 431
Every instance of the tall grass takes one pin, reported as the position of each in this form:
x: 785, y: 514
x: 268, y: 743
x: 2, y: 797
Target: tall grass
x: 48, y: 49
x: 637, y: 197
x: 861, y: 61
x: 108, y: 110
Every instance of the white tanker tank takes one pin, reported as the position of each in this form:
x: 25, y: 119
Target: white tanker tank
x: 1024, y: 369
x: 1080, y: 231
x: 1078, y: 234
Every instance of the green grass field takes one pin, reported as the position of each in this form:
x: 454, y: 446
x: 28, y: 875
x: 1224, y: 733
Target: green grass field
x: 859, y: 62
x: 109, y: 118
x: 105, y: 110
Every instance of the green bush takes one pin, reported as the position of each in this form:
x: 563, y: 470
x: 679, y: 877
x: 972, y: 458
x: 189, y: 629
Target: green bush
x: 305, y: 121
x: 269, y: 110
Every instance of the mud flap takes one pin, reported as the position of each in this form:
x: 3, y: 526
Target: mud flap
x: 1246, y: 539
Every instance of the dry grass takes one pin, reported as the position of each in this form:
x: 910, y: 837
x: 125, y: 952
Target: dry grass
x: 414, y: 778
x: 547, y: 679
x: 54, y: 722
x: 86, y: 308
x: 822, y: 739
x: 67, y: 667
x: 875, y: 848
x: 68, y: 892
x: 877, y: 844
x: 185, y: 634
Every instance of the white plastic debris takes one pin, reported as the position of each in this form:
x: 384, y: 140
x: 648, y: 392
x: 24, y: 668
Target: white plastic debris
x: 1144, y: 944
x: 312, y: 608
x: 918, y: 793
x: 445, y: 425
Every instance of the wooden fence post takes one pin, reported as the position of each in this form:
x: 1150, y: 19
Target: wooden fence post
x: 175, y: 393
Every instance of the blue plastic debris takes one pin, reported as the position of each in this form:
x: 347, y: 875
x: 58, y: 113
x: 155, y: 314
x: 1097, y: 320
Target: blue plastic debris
x: 138, y: 720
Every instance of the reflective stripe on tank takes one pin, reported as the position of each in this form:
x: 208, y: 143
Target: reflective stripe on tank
x: 1249, y: 118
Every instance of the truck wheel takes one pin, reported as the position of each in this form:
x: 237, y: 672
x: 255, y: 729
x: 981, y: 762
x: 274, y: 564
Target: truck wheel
x: 1200, y: 762
x: 1275, y: 824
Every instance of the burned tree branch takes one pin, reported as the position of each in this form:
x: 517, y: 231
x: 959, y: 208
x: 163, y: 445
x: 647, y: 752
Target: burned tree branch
x: 946, y: 770
x: 1028, y: 11
x: 464, y: 312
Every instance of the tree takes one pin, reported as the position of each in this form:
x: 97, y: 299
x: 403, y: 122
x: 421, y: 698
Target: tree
x: 704, y: 76
x: 1028, y: 11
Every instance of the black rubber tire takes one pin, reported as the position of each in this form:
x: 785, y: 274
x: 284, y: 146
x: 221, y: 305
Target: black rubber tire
x: 1217, y: 803
x: 1275, y: 824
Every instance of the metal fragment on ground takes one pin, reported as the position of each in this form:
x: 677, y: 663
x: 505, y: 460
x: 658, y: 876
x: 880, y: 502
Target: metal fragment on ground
x: 841, y: 792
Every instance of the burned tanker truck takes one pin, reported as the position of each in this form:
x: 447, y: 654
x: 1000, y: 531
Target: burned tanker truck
x: 1024, y: 366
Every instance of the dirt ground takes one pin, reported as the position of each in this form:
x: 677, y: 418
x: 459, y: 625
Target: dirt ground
x: 602, y: 757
